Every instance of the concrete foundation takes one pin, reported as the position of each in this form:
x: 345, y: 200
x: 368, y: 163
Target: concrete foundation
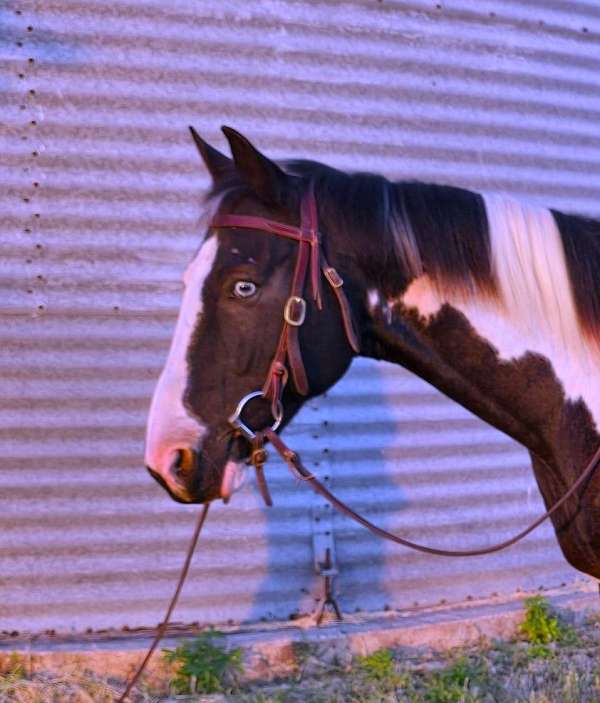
x: 278, y: 649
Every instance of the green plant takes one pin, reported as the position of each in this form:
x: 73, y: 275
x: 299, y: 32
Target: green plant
x: 540, y: 628
x: 203, y: 665
x: 378, y: 666
x: 377, y: 675
x: 453, y: 684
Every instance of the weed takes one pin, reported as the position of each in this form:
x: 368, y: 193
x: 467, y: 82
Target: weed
x: 202, y: 665
x: 541, y: 628
x: 378, y: 666
x: 457, y: 682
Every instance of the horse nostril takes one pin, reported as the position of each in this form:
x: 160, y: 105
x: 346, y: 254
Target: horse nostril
x: 185, y: 461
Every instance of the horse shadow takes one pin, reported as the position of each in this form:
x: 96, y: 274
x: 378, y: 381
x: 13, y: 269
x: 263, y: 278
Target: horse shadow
x: 348, y: 438
x: 417, y: 464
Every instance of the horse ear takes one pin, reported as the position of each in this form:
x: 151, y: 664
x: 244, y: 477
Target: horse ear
x: 264, y: 176
x: 218, y: 164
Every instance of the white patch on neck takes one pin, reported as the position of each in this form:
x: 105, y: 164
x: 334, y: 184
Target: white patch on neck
x: 170, y: 427
x: 537, y: 312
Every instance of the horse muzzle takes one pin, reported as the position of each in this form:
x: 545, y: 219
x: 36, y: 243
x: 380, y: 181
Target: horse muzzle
x: 187, y: 479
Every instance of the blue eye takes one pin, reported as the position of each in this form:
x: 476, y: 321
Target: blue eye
x: 244, y: 289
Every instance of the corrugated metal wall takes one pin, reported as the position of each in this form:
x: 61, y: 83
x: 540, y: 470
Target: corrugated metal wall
x: 99, y: 212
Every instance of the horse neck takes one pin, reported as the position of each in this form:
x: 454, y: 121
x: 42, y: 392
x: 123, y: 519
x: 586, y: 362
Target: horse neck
x: 512, y: 353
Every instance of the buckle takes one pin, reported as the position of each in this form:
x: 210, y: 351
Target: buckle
x: 288, y: 312
x: 334, y: 278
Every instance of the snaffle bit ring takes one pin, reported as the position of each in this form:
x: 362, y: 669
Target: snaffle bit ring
x: 236, y: 420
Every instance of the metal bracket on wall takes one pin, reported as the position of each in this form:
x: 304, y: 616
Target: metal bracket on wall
x: 323, y: 543
x: 328, y: 572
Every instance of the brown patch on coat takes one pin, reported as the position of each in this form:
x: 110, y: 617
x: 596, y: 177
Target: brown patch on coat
x: 522, y: 397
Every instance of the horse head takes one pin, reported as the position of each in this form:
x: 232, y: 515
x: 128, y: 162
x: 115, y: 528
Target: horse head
x: 229, y: 329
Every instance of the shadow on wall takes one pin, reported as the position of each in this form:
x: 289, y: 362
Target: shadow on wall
x: 22, y: 34
x: 341, y: 437
x: 419, y: 465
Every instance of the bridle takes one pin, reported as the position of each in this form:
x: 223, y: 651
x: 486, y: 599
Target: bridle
x: 311, y: 260
x: 310, y: 255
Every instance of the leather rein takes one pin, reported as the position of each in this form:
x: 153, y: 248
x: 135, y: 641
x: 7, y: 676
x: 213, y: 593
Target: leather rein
x: 310, y: 256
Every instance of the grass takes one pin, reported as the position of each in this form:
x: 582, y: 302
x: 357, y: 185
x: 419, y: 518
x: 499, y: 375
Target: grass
x: 76, y: 686
x: 550, y: 661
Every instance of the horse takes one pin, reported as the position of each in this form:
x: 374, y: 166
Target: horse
x: 492, y: 301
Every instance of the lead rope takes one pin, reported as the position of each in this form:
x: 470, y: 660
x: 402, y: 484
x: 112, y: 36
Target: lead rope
x: 302, y: 473
x: 164, y: 624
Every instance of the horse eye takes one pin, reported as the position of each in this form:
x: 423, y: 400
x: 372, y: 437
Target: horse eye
x: 244, y: 289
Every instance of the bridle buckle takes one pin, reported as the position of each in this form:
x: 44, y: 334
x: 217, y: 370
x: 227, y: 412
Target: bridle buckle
x: 334, y: 278
x: 294, y: 312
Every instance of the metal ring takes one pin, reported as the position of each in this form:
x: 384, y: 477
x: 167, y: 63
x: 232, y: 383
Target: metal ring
x: 236, y: 419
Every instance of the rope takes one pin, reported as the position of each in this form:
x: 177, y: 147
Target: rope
x: 164, y: 624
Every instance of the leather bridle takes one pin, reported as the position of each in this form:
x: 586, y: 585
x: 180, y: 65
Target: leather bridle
x: 310, y: 255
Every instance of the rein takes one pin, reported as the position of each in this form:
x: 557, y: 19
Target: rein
x: 162, y: 628
x: 302, y: 473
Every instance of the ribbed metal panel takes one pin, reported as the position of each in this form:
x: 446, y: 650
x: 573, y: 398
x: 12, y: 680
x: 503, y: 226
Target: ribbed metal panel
x: 99, y: 212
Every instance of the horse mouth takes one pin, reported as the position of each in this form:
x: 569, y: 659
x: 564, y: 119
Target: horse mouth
x: 176, y: 496
x: 183, y: 479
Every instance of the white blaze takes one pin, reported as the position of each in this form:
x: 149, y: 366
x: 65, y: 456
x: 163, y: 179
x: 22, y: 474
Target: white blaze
x: 537, y: 312
x: 170, y: 427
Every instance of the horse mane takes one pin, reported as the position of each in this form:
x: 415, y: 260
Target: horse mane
x: 581, y: 242
x: 437, y: 229
x: 408, y: 228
